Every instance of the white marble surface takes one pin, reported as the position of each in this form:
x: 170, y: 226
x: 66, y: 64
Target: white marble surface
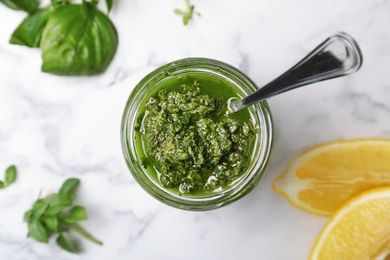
x: 55, y: 127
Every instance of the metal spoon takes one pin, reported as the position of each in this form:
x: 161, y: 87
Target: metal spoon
x: 337, y: 56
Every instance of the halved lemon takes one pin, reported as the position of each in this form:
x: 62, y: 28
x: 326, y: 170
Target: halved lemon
x: 360, y: 229
x: 324, y: 177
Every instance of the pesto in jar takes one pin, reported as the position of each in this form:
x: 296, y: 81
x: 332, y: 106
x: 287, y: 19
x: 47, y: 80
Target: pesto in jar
x: 190, y: 143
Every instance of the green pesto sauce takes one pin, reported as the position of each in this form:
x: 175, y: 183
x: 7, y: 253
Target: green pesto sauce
x: 190, y: 143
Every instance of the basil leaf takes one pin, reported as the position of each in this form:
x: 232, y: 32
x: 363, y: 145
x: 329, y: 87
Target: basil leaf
x: 76, y: 214
x: 2, y: 186
x: 57, y: 203
x: 39, y: 208
x: 10, y: 4
x: 179, y: 12
x: 10, y: 174
x: 77, y: 44
x: 55, y: 199
x: 37, y: 231
x: 109, y: 5
x: 69, y: 187
x: 28, y: 216
x: 30, y: 30
x: 186, y: 19
x: 26, y: 5
x: 51, y: 223
x: 65, y: 244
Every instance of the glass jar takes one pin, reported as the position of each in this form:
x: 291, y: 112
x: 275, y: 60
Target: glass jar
x: 260, y: 116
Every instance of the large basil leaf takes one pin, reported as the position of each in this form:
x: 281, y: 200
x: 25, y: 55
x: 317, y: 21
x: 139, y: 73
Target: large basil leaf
x: 26, y: 5
x: 30, y: 30
x: 78, y: 41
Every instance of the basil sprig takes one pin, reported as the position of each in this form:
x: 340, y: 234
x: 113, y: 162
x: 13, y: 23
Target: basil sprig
x: 10, y: 176
x: 75, y: 39
x: 187, y: 13
x: 54, y: 214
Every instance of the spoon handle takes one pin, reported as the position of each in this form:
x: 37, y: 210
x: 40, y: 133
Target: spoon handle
x: 337, y: 56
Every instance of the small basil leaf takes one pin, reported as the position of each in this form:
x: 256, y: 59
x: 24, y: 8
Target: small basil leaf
x: 57, y: 203
x: 76, y: 214
x: 10, y: 4
x: 39, y: 208
x: 76, y: 45
x: 30, y: 30
x: 37, y: 231
x: 55, y: 199
x: 51, y: 223
x: 69, y: 187
x: 65, y: 244
x: 55, y: 210
x: 186, y: 19
x: 28, y: 216
x: 178, y: 12
x: 26, y: 5
x: 10, y: 174
x: 109, y: 5
x: 2, y: 186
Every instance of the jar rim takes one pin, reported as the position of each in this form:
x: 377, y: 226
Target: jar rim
x: 260, y: 111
